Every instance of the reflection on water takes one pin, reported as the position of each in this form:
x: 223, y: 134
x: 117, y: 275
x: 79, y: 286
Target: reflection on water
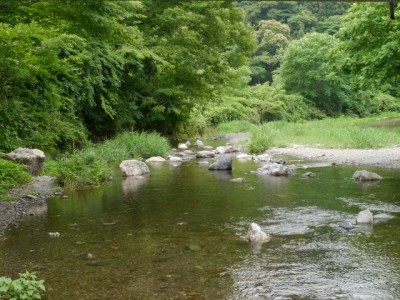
x: 179, y: 234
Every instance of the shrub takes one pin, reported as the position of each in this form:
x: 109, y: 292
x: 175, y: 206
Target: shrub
x: 25, y: 287
x: 12, y: 175
x: 262, y: 138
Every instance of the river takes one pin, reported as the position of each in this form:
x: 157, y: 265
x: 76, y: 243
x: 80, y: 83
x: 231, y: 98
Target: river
x: 180, y: 234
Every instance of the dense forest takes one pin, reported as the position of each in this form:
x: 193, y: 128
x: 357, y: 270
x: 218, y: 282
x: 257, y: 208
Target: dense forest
x: 78, y: 71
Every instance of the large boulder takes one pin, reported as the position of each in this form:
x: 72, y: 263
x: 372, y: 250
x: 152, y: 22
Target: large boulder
x: 366, y: 176
x: 33, y: 158
x: 133, y: 167
x: 274, y: 169
x: 256, y: 235
x: 222, y: 163
x: 364, y: 217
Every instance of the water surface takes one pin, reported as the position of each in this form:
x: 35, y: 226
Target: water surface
x: 179, y: 234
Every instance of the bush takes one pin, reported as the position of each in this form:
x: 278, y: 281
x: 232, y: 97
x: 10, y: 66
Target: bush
x: 12, y: 175
x: 262, y: 138
x: 25, y: 287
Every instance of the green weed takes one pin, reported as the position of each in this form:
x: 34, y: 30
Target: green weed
x: 25, y: 287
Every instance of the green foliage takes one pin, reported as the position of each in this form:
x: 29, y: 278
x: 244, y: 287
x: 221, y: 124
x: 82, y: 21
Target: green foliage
x: 12, y: 175
x: 23, y: 288
x: 370, y: 43
x: 93, y: 165
x: 235, y: 126
x: 272, y: 37
x: 91, y: 69
x: 306, y: 70
x: 366, y: 102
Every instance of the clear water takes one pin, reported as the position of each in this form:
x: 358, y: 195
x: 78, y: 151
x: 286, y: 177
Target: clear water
x: 179, y: 234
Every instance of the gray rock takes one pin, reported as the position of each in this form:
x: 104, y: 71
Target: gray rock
x: 364, y: 217
x: 199, y: 143
x: 238, y: 180
x: 133, y: 167
x: 33, y: 158
x: 382, y: 217
x: 155, y: 159
x: 208, y: 147
x: 174, y: 158
x: 274, y: 169
x: 347, y: 225
x: 308, y: 175
x: 263, y: 157
x: 244, y: 156
x: 366, y: 176
x: 188, y: 143
x: 222, y: 163
x: 205, y: 154
x: 182, y: 146
x: 225, y: 149
x: 256, y: 235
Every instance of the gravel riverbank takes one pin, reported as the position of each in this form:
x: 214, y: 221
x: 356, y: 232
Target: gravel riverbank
x: 30, y: 200
x: 383, y: 158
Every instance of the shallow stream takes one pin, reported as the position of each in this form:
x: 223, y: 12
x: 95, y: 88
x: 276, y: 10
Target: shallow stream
x: 179, y: 234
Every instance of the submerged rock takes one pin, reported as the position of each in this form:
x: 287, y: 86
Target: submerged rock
x: 364, y: 217
x: 263, y: 157
x: 244, y: 156
x: 382, y: 217
x: 174, y: 158
x: 238, y: 180
x: 366, y: 176
x: 222, y: 163
x: 274, y: 169
x: 205, y: 154
x: 308, y: 175
x: 347, y: 225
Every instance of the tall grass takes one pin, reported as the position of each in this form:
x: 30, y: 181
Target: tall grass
x: 235, y: 127
x: 344, y: 132
x: 94, y: 164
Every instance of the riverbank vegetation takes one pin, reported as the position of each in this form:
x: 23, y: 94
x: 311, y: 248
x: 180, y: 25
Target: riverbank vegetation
x: 342, y: 132
x: 95, y: 164
x: 77, y: 73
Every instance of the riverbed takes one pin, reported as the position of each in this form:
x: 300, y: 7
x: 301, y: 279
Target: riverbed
x: 179, y: 233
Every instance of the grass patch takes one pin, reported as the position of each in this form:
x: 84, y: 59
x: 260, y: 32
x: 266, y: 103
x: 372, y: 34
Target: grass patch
x: 344, y: 132
x: 12, y: 175
x: 93, y: 165
x: 235, y: 127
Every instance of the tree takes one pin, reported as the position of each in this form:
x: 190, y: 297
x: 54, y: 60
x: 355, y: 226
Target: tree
x: 201, y: 47
x: 370, y: 43
x: 306, y: 70
x: 272, y: 37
